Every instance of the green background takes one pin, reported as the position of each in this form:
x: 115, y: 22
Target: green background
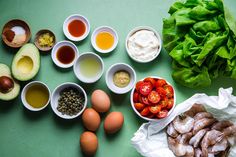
x: 42, y: 134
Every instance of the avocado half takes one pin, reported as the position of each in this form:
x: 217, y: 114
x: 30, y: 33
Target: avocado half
x: 26, y: 63
x: 14, y: 92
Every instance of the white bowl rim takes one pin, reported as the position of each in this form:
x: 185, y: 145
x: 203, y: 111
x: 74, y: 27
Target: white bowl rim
x: 101, y: 29
x: 65, y: 28
x: 95, y: 78
x: 23, y: 92
x: 146, y: 118
x: 132, y: 84
x: 136, y: 29
x: 57, y: 46
x: 72, y: 84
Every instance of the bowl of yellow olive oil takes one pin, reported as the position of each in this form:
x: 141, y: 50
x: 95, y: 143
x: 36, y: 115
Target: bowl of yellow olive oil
x: 35, y: 96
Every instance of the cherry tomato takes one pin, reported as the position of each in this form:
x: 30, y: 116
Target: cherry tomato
x: 154, y: 97
x: 170, y: 103
x: 151, y: 80
x: 162, y: 114
x: 161, y: 91
x: 135, y: 97
x: 138, y: 84
x: 145, y: 111
x: 143, y: 99
x: 169, y: 91
x: 139, y: 106
x: 151, y: 115
x: 163, y: 103
x: 160, y: 83
x: 145, y: 88
x: 155, y: 109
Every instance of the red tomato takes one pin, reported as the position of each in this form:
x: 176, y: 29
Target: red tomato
x: 139, y: 106
x: 145, y: 88
x: 138, y: 84
x: 163, y: 103
x: 154, y: 97
x: 155, y: 109
x: 161, y: 91
x: 151, y: 115
x: 135, y: 97
x: 169, y: 91
x: 160, y: 83
x: 151, y: 80
x: 145, y: 111
x: 170, y: 103
x: 162, y: 114
x: 143, y: 99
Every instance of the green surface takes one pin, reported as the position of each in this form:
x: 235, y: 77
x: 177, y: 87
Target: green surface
x: 42, y: 134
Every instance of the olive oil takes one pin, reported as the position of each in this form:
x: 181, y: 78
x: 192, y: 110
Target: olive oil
x: 104, y: 40
x: 90, y: 67
x: 37, y: 96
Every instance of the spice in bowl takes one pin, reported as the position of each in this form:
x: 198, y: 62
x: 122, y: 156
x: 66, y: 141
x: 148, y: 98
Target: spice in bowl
x: 46, y: 40
x: 71, y: 102
x: 121, y: 78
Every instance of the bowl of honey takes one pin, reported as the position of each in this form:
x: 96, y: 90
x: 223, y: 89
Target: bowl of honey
x: 104, y: 39
x: 64, y: 54
x: 76, y: 27
x: 35, y: 96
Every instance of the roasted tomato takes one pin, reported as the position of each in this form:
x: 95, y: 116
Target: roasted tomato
x: 145, y: 88
x: 138, y: 85
x: 136, y: 97
x: 145, y: 111
x: 161, y: 91
x: 139, y: 106
x: 170, y: 103
x: 151, y: 80
x: 160, y: 83
x: 155, y: 109
x: 154, y: 97
x: 163, y: 103
x: 169, y: 91
x: 162, y: 114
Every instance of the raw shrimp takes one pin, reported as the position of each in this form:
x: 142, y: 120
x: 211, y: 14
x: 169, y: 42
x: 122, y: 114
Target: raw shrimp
x: 184, y: 139
x: 210, y: 138
x: 229, y: 131
x: 219, y: 146
x: 197, y: 152
x: 171, y: 131
x: 180, y: 149
x: 195, y: 109
x: 202, y: 115
x: 202, y: 123
x: 196, y: 139
x: 221, y: 125
x: 183, y: 124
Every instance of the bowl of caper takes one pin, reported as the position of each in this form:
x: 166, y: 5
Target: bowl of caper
x: 68, y: 100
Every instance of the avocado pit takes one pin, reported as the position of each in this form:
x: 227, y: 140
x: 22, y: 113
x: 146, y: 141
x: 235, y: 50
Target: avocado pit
x: 6, y: 84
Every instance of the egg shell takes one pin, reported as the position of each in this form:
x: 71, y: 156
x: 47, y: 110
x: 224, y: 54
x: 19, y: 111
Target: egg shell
x: 113, y: 122
x: 91, y: 119
x: 100, y: 101
x: 88, y: 143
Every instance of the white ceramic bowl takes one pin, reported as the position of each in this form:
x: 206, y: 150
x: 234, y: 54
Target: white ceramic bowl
x: 110, y: 74
x: 132, y: 32
x: 56, y: 48
x: 104, y: 29
x: 25, y: 89
x: 76, y: 17
x: 56, y: 95
x: 78, y: 73
x: 146, y: 118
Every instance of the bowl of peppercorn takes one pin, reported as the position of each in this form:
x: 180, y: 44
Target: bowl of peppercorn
x: 68, y: 100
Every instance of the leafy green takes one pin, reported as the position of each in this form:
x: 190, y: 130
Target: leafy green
x: 200, y: 37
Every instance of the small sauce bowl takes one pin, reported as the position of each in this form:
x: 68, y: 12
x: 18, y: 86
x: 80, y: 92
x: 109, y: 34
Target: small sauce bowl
x: 70, y: 19
x: 104, y: 29
x: 37, y: 42
x: 26, y: 89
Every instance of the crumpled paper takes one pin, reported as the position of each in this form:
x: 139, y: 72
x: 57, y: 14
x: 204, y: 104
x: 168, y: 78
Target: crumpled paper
x: 151, y: 140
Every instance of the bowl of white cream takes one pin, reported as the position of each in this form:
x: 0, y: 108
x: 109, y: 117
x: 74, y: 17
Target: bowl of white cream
x: 143, y: 44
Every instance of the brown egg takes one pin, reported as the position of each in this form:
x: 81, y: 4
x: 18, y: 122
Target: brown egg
x: 113, y: 122
x: 100, y: 101
x: 88, y: 143
x: 91, y: 119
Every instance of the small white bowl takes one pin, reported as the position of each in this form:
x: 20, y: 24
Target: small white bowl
x: 56, y: 95
x: 110, y: 74
x: 104, y: 29
x: 78, y: 73
x: 25, y: 89
x: 56, y: 48
x: 76, y: 17
x: 132, y: 32
x: 146, y: 118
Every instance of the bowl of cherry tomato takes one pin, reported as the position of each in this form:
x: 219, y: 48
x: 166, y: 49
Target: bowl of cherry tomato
x: 153, y: 98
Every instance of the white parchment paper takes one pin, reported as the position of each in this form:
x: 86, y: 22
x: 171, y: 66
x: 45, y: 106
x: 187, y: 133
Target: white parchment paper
x: 151, y: 140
